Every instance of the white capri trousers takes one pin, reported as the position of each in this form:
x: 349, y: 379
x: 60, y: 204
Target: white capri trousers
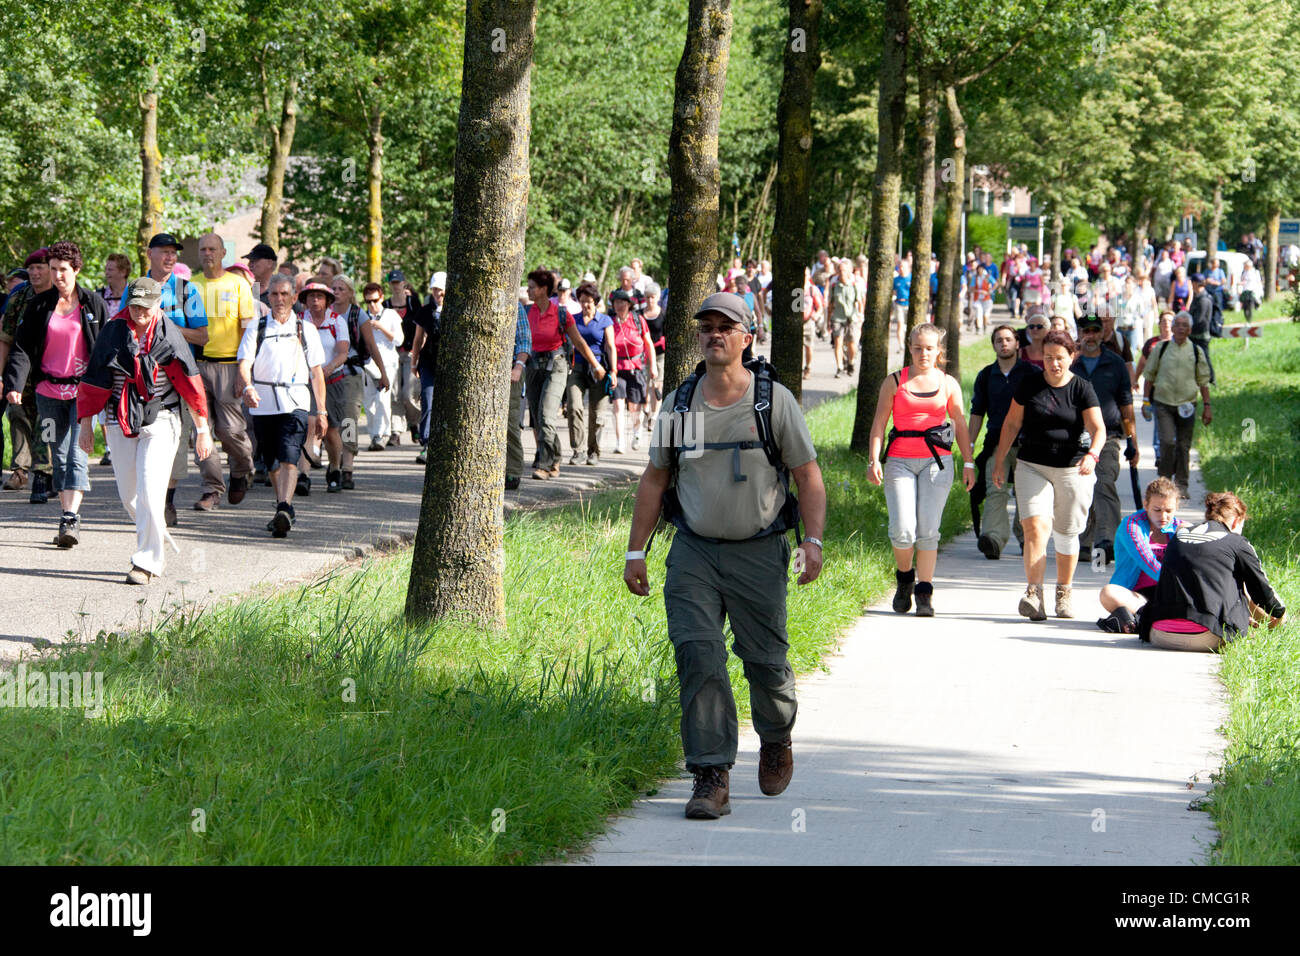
x: 916, y: 489
x: 142, y: 467
x: 1062, y: 494
x: 379, y: 416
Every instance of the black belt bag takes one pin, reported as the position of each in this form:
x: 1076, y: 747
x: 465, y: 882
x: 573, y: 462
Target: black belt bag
x: 936, y: 437
x: 543, y: 361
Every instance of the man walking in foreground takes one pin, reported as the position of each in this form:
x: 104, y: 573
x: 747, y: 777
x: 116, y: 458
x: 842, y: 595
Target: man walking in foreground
x: 730, y: 556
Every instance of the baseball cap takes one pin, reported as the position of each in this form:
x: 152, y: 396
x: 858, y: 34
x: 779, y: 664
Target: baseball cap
x: 261, y: 251
x: 565, y: 285
x: 40, y: 255
x: 144, y: 291
x: 1089, y: 322
x: 18, y: 274
x: 727, y: 304
x: 164, y: 239
x: 397, y: 275
x: 438, y: 281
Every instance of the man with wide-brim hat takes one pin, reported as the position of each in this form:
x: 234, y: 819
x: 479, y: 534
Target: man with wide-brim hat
x: 730, y: 556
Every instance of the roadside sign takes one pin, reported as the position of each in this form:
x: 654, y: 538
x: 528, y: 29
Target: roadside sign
x: 1288, y: 232
x: 1023, y: 227
x: 1243, y: 331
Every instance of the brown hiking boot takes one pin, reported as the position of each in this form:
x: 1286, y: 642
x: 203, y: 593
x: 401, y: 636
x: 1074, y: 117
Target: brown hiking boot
x: 711, y: 797
x: 17, y: 480
x: 1031, y: 605
x: 775, y: 767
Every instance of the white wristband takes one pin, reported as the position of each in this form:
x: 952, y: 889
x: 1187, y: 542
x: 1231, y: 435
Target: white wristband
x: 635, y: 556
x: 969, y: 464
x: 201, y: 431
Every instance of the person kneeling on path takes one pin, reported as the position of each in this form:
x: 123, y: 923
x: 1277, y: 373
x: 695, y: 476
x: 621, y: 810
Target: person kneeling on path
x: 1139, y: 550
x: 1209, y: 573
x: 280, y: 360
x: 729, y: 500
x: 143, y: 429
x: 1054, y: 412
x: 922, y: 399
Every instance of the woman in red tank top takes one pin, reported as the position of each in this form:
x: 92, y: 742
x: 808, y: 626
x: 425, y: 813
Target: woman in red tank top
x: 919, y: 470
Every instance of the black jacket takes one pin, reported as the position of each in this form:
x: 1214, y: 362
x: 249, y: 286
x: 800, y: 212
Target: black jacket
x: 1201, y: 579
x: 29, y: 337
x: 1202, y: 310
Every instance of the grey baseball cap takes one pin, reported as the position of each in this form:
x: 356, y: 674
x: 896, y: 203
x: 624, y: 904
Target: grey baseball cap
x: 144, y: 291
x: 726, y: 304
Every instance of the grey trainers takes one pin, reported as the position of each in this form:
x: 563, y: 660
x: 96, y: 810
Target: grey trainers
x: 1064, y: 606
x: 1031, y: 605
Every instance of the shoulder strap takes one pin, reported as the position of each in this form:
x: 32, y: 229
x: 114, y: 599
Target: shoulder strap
x: 261, y: 334
x: 763, y: 415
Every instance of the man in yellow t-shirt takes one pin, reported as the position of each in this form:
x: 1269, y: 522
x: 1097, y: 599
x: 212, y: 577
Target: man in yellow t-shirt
x: 228, y: 300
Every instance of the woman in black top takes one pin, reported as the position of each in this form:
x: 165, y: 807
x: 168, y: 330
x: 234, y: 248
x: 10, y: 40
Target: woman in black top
x: 1058, y: 420
x: 1212, y: 587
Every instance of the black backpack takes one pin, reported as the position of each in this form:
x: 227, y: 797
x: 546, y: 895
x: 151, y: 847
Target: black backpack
x: 765, y: 377
x: 355, y: 339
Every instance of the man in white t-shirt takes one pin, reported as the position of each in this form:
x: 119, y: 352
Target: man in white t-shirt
x: 280, y: 358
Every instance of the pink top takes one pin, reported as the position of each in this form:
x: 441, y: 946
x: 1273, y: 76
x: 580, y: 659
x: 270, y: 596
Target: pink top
x: 1177, y: 625
x: 65, y: 354
x: 917, y: 412
x: 1145, y: 580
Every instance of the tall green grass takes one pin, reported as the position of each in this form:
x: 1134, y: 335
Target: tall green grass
x: 316, y: 726
x: 1253, y: 448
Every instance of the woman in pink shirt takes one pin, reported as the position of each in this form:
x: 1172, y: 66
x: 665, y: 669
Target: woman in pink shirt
x: 54, y: 340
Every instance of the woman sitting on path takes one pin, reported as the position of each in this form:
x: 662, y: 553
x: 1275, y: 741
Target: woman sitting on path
x: 1139, y: 550
x: 1200, y: 601
x: 1053, y: 412
x: 918, y: 473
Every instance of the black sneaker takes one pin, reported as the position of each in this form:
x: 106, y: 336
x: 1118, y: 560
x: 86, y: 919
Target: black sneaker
x: 422, y: 457
x: 333, y: 481
x: 512, y: 484
x: 989, y: 547
x: 906, y: 580
x: 394, y: 440
x: 924, y: 591
x: 106, y: 461
x: 169, y: 514
x: 348, y: 483
x: 304, y: 486
x: 69, y: 532
x: 281, y: 523
x: 40, y: 488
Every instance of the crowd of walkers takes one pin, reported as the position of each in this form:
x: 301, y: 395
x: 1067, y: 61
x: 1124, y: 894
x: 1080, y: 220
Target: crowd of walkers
x: 278, y: 365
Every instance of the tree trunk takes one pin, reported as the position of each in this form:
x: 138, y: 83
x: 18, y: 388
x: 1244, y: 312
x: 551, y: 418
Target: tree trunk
x: 281, y: 146
x: 151, y: 204
x: 693, y: 170
x: 947, y: 308
x: 457, y: 560
x: 927, y: 121
x: 891, y: 115
x: 1057, y: 232
x: 794, y: 177
x: 375, y: 212
x: 1271, y: 228
x: 613, y: 238
x: 1216, y: 217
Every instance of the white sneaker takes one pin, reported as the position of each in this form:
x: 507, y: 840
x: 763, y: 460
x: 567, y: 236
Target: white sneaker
x: 618, y: 447
x: 636, y: 439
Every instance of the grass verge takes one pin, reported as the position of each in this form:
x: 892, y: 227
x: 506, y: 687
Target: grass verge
x: 1252, y: 448
x: 314, y: 726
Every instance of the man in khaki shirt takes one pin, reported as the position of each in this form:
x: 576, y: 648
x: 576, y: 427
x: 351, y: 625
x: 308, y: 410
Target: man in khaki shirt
x: 1175, y: 371
x: 729, y: 556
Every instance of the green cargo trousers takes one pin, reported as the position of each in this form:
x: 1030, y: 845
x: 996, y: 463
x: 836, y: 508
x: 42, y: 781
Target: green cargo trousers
x: 744, y: 582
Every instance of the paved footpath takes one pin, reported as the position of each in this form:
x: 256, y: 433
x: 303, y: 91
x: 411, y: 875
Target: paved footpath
x: 49, y: 592
x: 973, y: 737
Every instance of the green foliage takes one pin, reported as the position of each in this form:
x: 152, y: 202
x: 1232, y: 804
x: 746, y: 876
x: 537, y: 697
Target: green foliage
x: 1251, y: 449
x: 1080, y: 235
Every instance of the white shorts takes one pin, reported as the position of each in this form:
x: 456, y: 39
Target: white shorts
x: 1061, y: 494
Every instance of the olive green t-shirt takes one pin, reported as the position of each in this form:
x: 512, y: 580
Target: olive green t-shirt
x: 714, y: 502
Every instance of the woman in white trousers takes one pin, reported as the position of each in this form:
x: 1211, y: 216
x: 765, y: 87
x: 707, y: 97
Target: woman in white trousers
x: 140, y: 372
